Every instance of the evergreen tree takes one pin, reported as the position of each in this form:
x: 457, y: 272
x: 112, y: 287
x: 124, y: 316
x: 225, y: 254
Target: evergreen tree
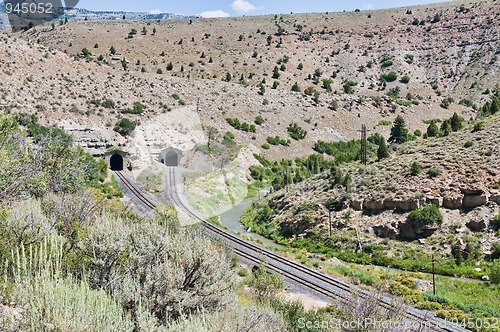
x: 170, y: 66
x: 399, y: 132
x: 456, y: 122
x: 446, y: 128
x: 112, y: 50
x: 276, y: 73
x: 383, y: 151
x: 495, y: 105
x: 432, y: 130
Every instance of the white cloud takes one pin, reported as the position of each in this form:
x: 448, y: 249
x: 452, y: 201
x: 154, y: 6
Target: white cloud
x: 243, y: 7
x: 214, y: 13
x: 367, y: 6
x: 156, y: 11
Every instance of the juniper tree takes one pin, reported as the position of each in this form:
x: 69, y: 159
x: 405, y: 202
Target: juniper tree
x: 383, y: 151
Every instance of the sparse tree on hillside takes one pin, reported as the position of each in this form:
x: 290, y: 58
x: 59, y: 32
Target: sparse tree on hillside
x: 276, y: 73
x: 112, y: 50
x: 399, y: 132
x: 432, y: 130
x: 445, y: 128
x: 383, y: 151
x: 456, y: 122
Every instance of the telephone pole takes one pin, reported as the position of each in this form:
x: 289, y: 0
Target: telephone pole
x: 364, y: 145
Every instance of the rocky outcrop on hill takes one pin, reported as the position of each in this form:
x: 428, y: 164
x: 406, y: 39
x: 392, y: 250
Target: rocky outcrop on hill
x: 94, y: 141
x: 469, y: 198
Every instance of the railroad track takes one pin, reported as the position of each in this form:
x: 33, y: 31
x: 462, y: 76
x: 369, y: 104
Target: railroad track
x: 316, y: 281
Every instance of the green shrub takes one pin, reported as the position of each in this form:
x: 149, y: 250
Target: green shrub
x: 276, y: 140
x: 342, y: 151
x: 108, y: 103
x: 434, y: 172
x: 236, y: 124
x: 478, y: 126
x: 390, y: 77
x: 405, y: 79
x: 385, y: 123
x: 296, y: 132
x: 266, y: 146
x: 496, y: 222
x: 386, y: 61
x: 415, y: 169
x: 495, y: 272
x: 348, y: 87
x: 429, y: 214
x: 495, y: 250
x: 468, y: 144
x: 125, y: 127
x: 259, y: 120
x: 138, y: 108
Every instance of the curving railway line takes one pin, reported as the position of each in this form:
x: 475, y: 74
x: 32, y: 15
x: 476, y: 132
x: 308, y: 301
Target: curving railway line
x: 320, y: 283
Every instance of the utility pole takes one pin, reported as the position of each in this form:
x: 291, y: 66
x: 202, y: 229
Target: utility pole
x: 330, y: 220
x: 433, y: 274
x: 364, y: 145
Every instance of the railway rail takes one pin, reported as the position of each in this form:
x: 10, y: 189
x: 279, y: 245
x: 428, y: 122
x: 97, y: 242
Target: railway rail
x: 323, y: 284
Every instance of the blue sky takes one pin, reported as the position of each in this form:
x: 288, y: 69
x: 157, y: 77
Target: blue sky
x: 243, y: 7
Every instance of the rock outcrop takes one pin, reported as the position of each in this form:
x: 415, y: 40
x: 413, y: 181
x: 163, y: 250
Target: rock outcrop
x: 410, y: 230
x: 453, y: 202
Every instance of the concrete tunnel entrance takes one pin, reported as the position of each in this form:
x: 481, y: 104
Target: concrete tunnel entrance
x: 172, y: 159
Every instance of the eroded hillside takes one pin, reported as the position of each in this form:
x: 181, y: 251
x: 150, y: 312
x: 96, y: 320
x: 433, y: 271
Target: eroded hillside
x: 226, y: 68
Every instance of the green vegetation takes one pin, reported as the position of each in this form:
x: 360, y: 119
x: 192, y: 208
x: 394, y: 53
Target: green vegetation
x: 416, y: 169
x: 138, y: 108
x: 385, y: 123
x: 495, y: 272
x: 405, y: 79
x: 389, y: 77
x: 108, y: 103
x: 383, y: 151
x: 409, y: 57
x: 432, y: 130
x: 343, y: 152
x: 236, y: 124
x: 386, y: 61
x: 125, y: 127
x: 276, y: 140
x: 429, y: 214
x: 399, y: 132
x: 296, y: 132
x: 348, y: 87
x: 434, y: 172
x: 259, y: 120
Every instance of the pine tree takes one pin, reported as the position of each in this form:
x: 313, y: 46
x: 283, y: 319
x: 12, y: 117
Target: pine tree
x: 432, y: 130
x: 399, y: 132
x: 112, y: 50
x: 383, y: 151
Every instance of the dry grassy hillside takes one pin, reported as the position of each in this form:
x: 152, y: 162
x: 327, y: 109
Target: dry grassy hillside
x: 356, y: 47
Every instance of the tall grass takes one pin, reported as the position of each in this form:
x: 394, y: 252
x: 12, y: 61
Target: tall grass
x: 49, y: 301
